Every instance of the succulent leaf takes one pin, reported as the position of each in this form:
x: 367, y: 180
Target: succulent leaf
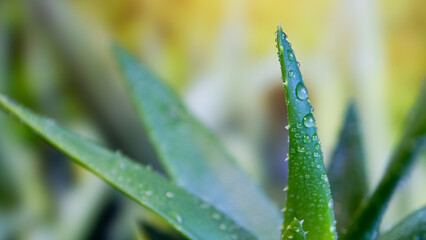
x: 189, y: 215
x: 367, y: 221
x: 347, y: 175
x: 308, y: 194
x: 411, y: 227
x: 193, y: 156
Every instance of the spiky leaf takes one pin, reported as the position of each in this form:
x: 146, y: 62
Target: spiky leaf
x: 308, y: 191
x: 367, y: 221
x: 347, y: 175
x: 193, y: 156
x: 189, y: 215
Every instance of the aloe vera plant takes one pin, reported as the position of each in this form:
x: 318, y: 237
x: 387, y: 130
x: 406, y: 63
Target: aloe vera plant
x: 208, y: 196
x: 308, y: 190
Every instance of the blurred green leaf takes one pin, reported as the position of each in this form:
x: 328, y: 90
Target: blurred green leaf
x: 193, y: 156
x: 88, y: 66
x: 308, y: 190
x: 411, y: 227
x: 347, y: 175
x: 367, y: 221
x: 189, y: 215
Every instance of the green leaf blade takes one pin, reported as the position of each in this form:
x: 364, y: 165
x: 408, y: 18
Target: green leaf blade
x: 193, y: 156
x: 411, y: 227
x: 367, y: 221
x: 308, y: 191
x: 189, y: 215
x: 347, y: 174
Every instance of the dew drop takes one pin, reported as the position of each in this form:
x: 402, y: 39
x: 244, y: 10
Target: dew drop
x: 290, y: 55
x: 170, y: 195
x: 301, y: 91
x: 287, y: 127
x: 148, y: 193
x: 309, y: 120
x: 306, y: 139
x: 50, y: 122
x: 290, y: 73
x: 300, y: 149
x: 281, y: 48
x: 216, y: 216
x: 123, y: 166
x: 316, y: 154
x: 317, y: 146
x: 177, y: 216
x: 222, y: 226
x: 204, y: 205
x: 298, y: 125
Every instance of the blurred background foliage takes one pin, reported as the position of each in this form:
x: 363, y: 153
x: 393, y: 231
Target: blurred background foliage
x: 220, y: 57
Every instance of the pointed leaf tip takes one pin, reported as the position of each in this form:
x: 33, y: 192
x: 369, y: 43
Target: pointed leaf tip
x: 308, y: 195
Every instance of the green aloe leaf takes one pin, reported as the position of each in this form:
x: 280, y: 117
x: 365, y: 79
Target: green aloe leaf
x: 367, y: 220
x: 189, y: 215
x: 193, y: 156
x: 347, y: 175
x: 308, y: 190
x: 412, y: 227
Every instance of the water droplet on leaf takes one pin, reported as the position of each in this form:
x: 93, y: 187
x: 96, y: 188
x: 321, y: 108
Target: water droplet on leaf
x: 306, y: 139
x: 309, y: 120
x: 301, y: 91
x: 290, y: 55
